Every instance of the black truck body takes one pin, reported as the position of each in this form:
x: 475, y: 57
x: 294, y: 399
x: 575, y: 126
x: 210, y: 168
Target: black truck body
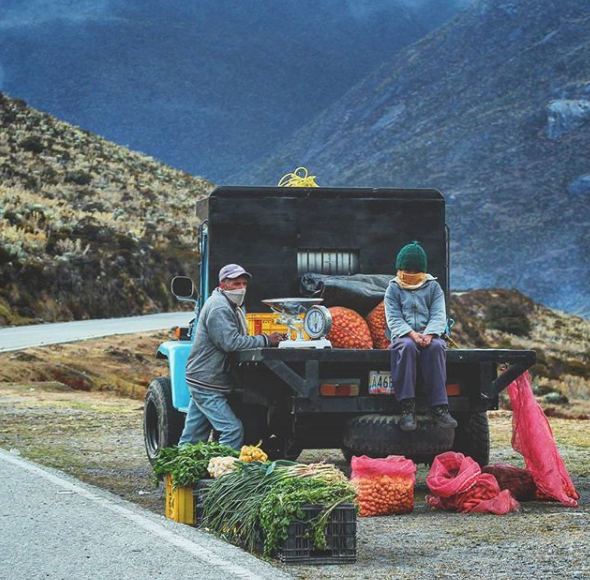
x: 279, y: 234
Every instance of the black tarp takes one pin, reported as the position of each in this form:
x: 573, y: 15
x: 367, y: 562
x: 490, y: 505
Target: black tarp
x: 360, y: 292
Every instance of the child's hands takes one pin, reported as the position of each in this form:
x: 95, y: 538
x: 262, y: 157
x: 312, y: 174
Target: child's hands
x: 416, y: 337
x: 421, y: 340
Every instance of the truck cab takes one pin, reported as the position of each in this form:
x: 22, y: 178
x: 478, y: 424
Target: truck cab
x: 286, y: 397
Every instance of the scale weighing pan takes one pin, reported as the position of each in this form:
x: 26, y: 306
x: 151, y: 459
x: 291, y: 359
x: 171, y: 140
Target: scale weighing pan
x: 292, y: 306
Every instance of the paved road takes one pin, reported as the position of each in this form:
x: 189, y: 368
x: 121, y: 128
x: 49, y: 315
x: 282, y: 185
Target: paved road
x: 55, y: 527
x: 19, y: 337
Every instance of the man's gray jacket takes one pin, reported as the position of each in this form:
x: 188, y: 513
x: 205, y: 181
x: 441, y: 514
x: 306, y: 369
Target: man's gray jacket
x: 219, y: 332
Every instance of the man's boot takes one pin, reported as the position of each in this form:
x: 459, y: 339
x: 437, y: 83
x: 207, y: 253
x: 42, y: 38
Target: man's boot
x: 442, y: 418
x: 408, y: 421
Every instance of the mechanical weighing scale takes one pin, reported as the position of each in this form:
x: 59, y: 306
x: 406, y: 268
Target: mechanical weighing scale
x: 317, y: 321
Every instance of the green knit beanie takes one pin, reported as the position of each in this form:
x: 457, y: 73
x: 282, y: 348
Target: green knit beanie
x: 412, y: 257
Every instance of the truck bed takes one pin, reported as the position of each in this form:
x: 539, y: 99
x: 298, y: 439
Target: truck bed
x: 304, y: 369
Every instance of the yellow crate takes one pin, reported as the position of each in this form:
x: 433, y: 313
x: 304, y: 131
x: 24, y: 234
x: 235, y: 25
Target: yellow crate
x: 264, y: 323
x: 180, y: 503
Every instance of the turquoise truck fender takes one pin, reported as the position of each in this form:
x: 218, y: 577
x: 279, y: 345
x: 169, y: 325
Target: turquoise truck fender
x: 177, y: 354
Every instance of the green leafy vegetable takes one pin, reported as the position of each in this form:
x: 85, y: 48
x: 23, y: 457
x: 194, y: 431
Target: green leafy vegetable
x: 283, y: 505
x: 188, y: 463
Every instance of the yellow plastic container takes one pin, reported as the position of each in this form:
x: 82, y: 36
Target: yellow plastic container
x: 180, y: 503
x: 264, y: 323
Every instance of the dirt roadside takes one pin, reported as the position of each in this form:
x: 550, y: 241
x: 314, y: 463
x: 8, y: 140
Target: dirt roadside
x: 97, y: 437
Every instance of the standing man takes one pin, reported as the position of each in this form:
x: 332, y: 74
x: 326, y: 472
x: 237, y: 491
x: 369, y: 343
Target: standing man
x: 416, y: 318
x: 221, y: 329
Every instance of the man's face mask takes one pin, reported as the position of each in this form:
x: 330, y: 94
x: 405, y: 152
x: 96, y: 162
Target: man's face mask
x: 236, y: 296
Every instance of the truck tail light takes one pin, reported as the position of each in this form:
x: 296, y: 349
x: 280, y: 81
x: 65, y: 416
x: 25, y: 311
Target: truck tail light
x: 453, y: 389
x: 340, y: 388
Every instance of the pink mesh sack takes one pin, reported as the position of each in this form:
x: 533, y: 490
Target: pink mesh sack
x: 457, y: 484
x: 533, y: 439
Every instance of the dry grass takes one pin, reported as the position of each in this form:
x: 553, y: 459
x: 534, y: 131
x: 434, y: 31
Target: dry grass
x: 123, y: 365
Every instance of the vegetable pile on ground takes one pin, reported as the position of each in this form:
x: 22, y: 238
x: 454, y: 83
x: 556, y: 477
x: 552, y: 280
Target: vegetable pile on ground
x: 254, y: 505
x: 188, y: 463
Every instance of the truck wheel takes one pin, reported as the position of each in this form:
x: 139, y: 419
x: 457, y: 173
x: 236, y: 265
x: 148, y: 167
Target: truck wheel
x: 380, y: 436
x: 472, y: 437
x: 162, y: 423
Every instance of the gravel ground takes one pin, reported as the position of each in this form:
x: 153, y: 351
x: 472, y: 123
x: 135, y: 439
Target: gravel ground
x: 97, y: 438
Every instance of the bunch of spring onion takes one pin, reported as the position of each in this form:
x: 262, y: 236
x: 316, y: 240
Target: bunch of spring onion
x: 233, y: 505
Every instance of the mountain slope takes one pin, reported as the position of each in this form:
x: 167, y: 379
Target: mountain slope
x: 205, y: 86
x: 87, y: 228
x: 494, y: 110
x: 501, y: 318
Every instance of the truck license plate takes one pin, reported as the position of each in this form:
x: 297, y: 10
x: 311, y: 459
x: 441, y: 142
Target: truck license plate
x: 380, y: 383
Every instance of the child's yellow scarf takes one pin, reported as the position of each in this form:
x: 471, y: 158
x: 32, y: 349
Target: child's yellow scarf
x: 411, y: 281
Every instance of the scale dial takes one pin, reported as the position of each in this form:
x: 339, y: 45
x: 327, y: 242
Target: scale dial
x: 317, y: 322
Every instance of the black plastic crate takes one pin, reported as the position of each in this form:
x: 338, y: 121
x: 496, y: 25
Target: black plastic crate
x: 199, y: 491
x: 340, y: 538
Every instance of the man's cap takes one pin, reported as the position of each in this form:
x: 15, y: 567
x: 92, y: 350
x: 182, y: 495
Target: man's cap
x: 232, y: 271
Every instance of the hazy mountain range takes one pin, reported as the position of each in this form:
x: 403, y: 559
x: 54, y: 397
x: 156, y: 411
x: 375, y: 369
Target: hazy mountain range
x: 207, y: 86
x: 490, y: 104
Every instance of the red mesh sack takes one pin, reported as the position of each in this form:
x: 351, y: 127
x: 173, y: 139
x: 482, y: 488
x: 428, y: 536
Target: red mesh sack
x: 349, y: 329
x: 452, y: 473
x: 519, y: 482
x: 384, y: 486
x: 458, y: 485
x: 377, y: 325
x: 533, y: 439
x: 501, y: 504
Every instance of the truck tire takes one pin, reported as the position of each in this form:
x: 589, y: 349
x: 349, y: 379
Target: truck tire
x: 472, y: 437
x: 380, y: 436
x: 162, y: 423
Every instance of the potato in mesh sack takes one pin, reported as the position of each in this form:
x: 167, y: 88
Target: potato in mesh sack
x: 384, y: 486
x: 377, y: 325
x: 519, y: 482
x: 457, y: 484
x: 349, y: 329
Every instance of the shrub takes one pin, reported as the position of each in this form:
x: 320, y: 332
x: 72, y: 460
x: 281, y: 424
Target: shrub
x: 508, y: 317
x: 32, y: 143
x: 78, y: 177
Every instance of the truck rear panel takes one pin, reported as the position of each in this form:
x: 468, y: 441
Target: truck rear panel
x: 280, y: 233
x: 473, y: 374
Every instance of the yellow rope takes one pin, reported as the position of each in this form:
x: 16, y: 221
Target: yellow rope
x: 296, y: 180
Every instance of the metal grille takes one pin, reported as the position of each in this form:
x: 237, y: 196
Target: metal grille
x: 335, y: 262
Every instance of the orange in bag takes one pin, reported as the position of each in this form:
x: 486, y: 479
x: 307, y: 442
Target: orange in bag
x: 377, y: 324
x: 384, y: 486
x: 349, y: 329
